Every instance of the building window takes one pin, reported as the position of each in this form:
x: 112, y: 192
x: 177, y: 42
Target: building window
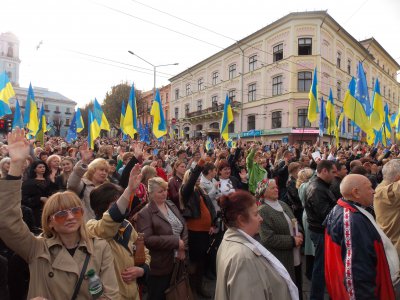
x: 389, y: 95
x: 9, y: 75
x: 276, y: 119
x: 215, y: 78
x: 10, y: 52
x: 304, y: 81
x: 67, y: 122
x: 188, y: 89
x: 277, y: 85
x: 232, y: 71
x: 251, y: 122
x: 339, y: 91
x: 176, y: 94
x: 302, y: 120
x: 57, y: 109
x: 373, y: 82
x: 232, y: 96
x: 199, y: 105
x: 176, y: 112
x: 338, y: 59
x: 305, y: 46
x: 252, y: 92
x: 68, y: 110
x: 277, y: 52
x: 349, y: 66
x: 200, y: 84
x: 252, y: 63
x: 187, y: 110
x: 46, y: 107
x: 214, y: 103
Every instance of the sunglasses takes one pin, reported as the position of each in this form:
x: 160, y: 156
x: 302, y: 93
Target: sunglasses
x: 62, y: 215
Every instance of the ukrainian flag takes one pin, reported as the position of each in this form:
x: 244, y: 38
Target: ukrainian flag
x: 354, y: 109
x: 159, y: 125
x: 378, y: 115
x: 209, y: 144
x: 387, y: 126
x: 330, y: 113
x: 100, y: 117
x: 17, y: 121
x: 42, y: 126
x: 31, y: 114
x: 130, y: 120
x: 79, y: 121
x: 322, y: 115
x: 94, y: 130
x: 6, y: 92
x: 227, y: 118
x: 313, y: 96
x: 121, y: 119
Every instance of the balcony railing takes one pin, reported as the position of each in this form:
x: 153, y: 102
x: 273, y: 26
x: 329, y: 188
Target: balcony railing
x: 212, y: 109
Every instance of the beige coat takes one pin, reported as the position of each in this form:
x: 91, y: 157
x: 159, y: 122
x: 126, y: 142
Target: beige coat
x: 387, y: 210
x: 107, y: 228
x: 243, y: 273
x: 53, y: 271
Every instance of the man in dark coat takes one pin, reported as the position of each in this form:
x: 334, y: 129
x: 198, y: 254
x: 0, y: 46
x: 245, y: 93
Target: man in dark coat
x: 340, y: 174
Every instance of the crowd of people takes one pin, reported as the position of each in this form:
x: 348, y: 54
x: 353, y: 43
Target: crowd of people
x: 254, y: 218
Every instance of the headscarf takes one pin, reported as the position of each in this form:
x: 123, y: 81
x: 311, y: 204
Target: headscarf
x: 261, y: 187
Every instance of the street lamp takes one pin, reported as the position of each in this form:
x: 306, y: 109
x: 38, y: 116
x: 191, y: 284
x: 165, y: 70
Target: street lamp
x: 154, y: 69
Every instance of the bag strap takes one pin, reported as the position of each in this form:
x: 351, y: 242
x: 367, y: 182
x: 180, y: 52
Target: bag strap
x: 82, y: 191
x: 175, y: 272
x: 79, y: 282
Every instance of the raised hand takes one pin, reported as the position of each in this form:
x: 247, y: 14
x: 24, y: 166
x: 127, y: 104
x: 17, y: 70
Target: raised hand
x: 86, y: 153
x: 18, y: 146
x: 134, y: 178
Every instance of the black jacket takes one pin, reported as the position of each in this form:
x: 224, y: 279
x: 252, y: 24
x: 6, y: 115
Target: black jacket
x: 190, y: 197
x: 319, y: 202
x: 282, y: 174
x: 335, y: 187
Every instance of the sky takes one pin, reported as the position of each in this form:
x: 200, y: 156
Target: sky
x: 84, y: 44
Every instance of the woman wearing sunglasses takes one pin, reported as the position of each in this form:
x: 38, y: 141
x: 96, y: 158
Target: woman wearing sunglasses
x: 57, y: 257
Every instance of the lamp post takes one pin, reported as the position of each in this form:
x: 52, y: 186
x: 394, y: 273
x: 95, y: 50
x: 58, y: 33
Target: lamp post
x: 154, y: 69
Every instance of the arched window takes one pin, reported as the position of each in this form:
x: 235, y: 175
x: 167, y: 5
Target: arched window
x: 214, y: 125
x: 10, y: 52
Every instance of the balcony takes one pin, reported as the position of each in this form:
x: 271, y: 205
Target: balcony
x: 57, y: 112
x: 68, y: 113
x: 210, y: 112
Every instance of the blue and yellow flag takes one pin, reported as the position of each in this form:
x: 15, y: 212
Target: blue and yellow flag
x: 31, y: 114
x: 93, y: 129
x: 354, y: 109
x: 6, y: 92
x: 361, y: 92
x: 387, y: 126
x: 209, y: 144
x: 122, y: 117
x: 99, y: 116
x: 378, y: 115
x: 79, y: 121
x: 72, y: 130
x: 17, y: 121
x: 130, y: 126
x: 330, y: 113
x: 313, y: 96
x: 42, y: 126
x: 322, y: 115
x: 227, y: 118
x: 159, y: 125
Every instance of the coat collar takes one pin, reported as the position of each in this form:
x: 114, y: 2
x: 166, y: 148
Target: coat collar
x: 154, y: 210
x: 235, y: 236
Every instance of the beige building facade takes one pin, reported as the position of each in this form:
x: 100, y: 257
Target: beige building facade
x: 268, y: 74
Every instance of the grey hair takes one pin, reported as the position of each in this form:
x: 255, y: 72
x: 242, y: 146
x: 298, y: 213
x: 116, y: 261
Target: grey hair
x: 391, y: 170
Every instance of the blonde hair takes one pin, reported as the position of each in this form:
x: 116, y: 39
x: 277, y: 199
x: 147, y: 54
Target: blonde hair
x: 52, y: 157
x: 98, y: 163
x: 303, y: 176
x: 2, y: 162
x: 148, y: 172
x: 156, y: 182
x: 60, y: 201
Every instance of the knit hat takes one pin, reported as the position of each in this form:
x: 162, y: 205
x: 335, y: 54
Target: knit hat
x: 261, y: 187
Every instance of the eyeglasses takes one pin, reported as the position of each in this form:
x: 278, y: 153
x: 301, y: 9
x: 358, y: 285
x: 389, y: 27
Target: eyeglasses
x: 62, y: 215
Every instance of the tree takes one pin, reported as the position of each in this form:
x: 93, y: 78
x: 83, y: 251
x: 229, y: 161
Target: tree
x: 112, y: 102
x: 57, y: 123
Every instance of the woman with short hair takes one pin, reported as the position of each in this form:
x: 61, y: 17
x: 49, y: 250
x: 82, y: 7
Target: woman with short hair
x: 4, y: 166
x: 245, y: 269
x: 53, y: 162
x: 165, y: 235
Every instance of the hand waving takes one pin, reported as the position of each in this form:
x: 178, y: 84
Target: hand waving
x: 134, y: 178
x: 18, y: 146
x: 86, y: 153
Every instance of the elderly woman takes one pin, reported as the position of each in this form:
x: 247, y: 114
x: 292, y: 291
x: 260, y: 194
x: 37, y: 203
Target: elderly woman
x: 53, y: 162
x: 86, y: 176
x: 4, y: 166
x: 59, y: 257
x: 67, y: 164
x: 165, y: 235
x: 175, y: 181
x: 111, y: 225
x: 280, y: 232
x: 245, y: 269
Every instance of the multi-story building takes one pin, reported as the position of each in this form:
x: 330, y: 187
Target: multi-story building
x: 59, y: 109
x: 146, y: 100
x: 268, y: 74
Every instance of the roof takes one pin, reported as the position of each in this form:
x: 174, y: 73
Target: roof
x: 46, y: 94
x: 372, y: 40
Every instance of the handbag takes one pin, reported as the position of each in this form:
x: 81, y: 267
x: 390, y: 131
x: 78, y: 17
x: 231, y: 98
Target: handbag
x: 179, y: 287
x: 140, y: 254
x: 79, y: 282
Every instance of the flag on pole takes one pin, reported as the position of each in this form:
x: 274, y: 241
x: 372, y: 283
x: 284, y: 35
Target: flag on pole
x: 79, y: 121
x: 42, y: 126
x: 378, y: 114
x: 209, y: 144
x: 93, y: 130
x: 227, y: 118
x: 330, y: 113
x: 72, y: 130
x: 17, y: 121
x: 6, y: 92
x: 159, y: 125
x: 322, y: 114
x: 313, y: 96
x: 130, y: 119
x: 387, y: 126
x: 361, y: 92
x: 122, y: 117
x: 99, y: 116
x: 31, y: 114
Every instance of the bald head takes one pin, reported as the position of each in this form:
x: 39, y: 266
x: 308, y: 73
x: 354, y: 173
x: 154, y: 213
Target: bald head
x: 357, y: 188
